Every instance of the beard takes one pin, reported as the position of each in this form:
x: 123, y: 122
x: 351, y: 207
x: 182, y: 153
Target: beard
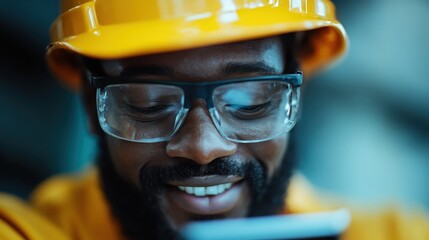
x: 139, y: 212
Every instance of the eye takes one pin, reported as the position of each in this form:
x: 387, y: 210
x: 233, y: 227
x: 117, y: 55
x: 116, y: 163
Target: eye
x: 148, y: 114
x: 249, y: 112
x: 149, y: 110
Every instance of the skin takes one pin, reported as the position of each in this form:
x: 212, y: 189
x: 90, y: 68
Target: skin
x: 198, y: 139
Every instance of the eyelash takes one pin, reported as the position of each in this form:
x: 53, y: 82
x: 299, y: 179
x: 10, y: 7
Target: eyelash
x: 148, y: 110
x: 241, y: 110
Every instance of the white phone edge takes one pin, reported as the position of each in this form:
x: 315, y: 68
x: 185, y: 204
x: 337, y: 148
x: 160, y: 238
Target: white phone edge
x: 290, y: 226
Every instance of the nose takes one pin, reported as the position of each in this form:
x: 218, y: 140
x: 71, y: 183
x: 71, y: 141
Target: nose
x: 198, y: 138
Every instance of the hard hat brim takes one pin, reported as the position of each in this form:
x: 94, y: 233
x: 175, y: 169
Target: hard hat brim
x: 151, y: 37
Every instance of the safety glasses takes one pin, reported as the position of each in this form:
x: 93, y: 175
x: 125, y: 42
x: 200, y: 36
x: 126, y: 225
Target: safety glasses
x: 244, y: 110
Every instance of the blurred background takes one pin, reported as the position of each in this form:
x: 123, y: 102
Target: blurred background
x: 363, y: 133
x: 42, y: 127
x: 364, y: 130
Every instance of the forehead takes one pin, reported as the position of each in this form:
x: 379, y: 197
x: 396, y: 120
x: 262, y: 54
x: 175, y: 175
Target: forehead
x: 206, y: 62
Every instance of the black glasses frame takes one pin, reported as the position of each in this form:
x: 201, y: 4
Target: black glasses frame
x: 195, y: 90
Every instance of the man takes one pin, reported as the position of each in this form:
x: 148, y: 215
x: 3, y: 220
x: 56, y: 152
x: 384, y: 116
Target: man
x: 192, y: 103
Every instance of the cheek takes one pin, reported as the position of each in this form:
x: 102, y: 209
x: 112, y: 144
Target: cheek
x: 128, y: 157
x: 271, y: 153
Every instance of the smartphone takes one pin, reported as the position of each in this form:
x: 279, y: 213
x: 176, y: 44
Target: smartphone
x: 321, y: 225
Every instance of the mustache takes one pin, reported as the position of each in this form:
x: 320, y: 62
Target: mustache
x: 151, y: 177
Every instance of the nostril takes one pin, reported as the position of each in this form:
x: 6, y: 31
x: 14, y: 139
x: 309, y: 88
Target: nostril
x: 202, y: 150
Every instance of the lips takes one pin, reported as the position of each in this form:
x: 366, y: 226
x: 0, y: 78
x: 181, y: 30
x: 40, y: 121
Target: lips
x: 206, y: 195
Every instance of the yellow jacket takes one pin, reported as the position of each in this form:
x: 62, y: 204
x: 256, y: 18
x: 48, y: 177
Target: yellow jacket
x: 73, y: 207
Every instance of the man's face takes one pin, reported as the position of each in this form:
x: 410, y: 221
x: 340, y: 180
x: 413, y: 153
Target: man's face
x: 198, y: 154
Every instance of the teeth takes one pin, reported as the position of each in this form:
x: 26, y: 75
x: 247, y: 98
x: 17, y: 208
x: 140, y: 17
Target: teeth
x: 189, y: 190
x: 221, y: 188
x: 204, y: 191
x: 199, y: 191
x: 212, y: 190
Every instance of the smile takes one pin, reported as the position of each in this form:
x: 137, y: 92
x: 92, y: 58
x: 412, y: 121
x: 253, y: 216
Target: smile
x: 206, y: 195
x: 206, y: 191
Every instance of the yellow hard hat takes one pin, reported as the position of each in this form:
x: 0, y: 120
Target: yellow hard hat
x: 108, y: 29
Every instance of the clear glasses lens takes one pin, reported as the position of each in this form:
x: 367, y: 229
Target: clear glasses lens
x: 245, y: 112
x: 254, y: 111
x: 140, y: 112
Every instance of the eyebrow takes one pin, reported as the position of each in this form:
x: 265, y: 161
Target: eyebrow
x: 230, y: 69
x: 154, y: 70
x: 255, y: 67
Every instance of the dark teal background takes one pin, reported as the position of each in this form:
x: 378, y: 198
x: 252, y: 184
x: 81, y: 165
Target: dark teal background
x: 42, y: 130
